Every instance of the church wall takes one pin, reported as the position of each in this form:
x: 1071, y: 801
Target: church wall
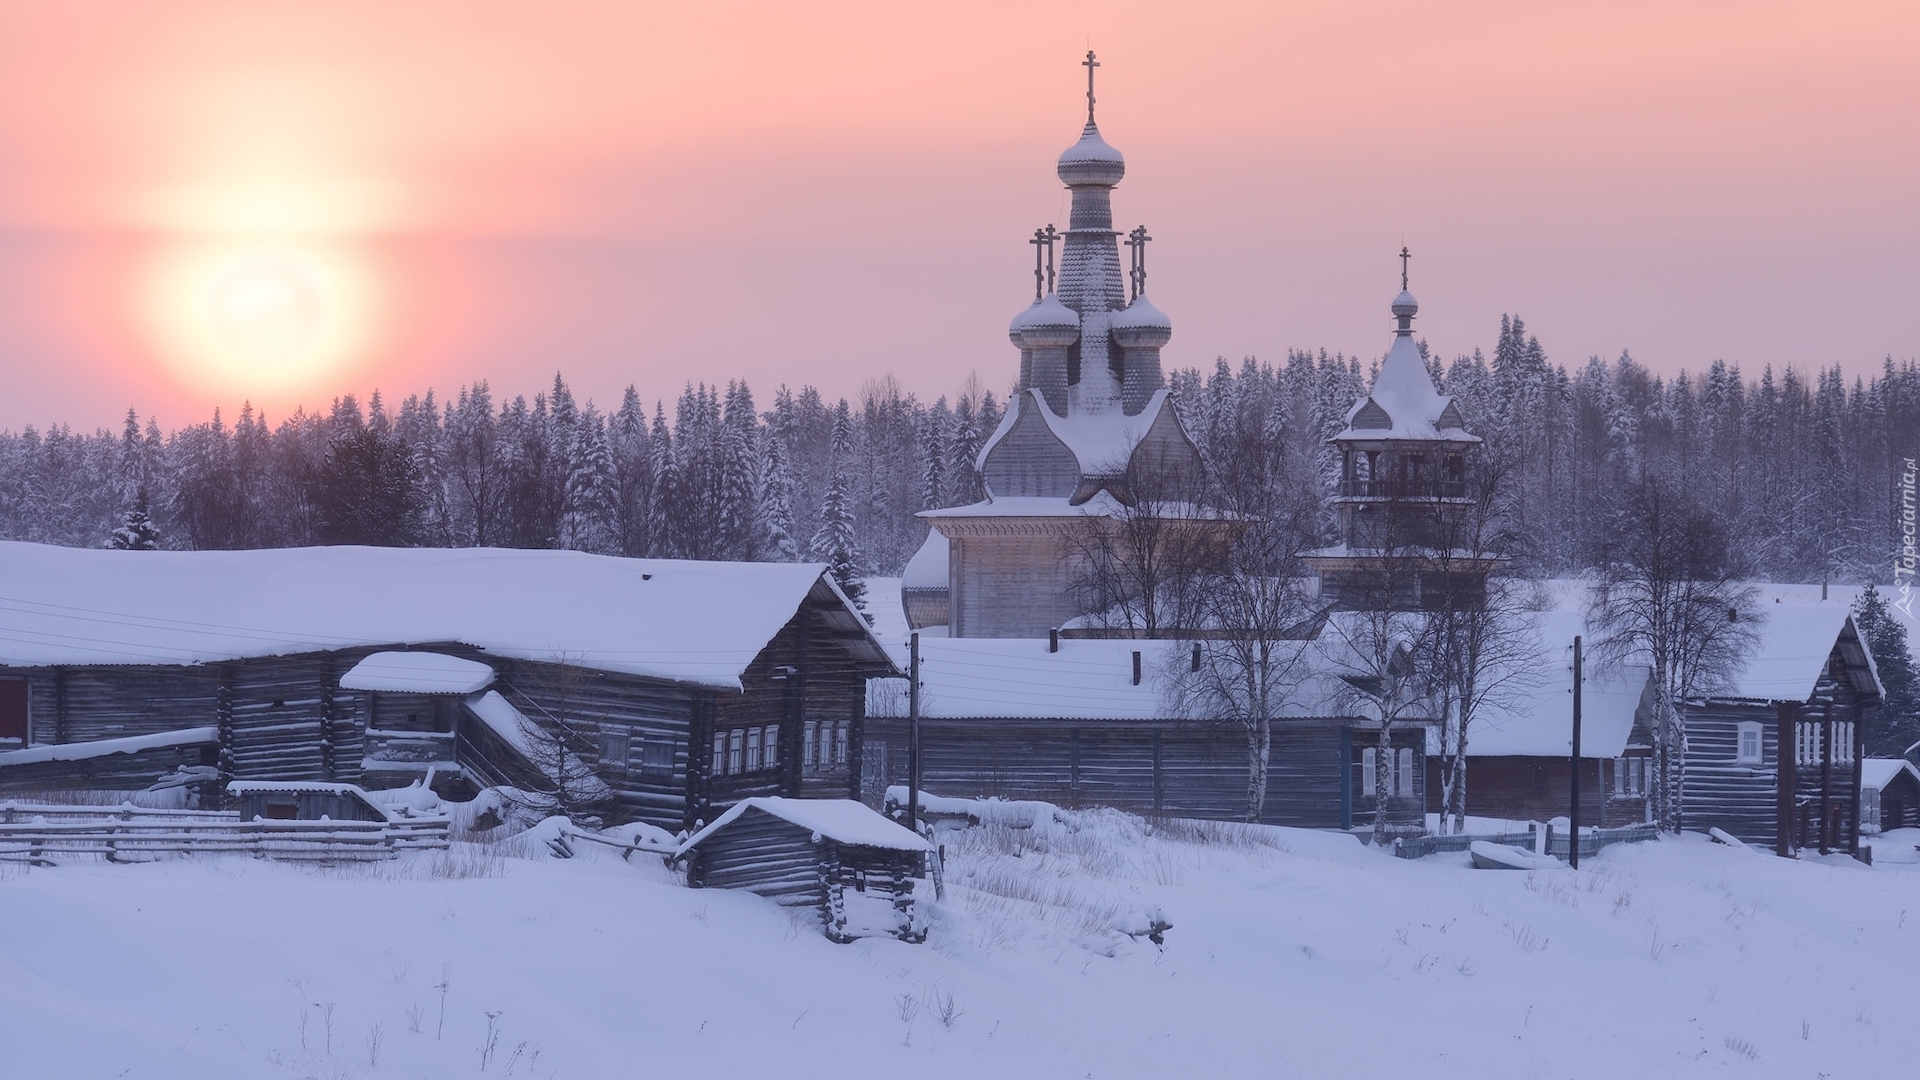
x: 1011, y: 586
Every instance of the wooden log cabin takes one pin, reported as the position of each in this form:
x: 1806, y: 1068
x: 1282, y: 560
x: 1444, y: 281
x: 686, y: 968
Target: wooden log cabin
x: 1772, y: 757
x: 835, y: 856
x: 1520, y: 744
x: 1093, y: 722
x: 682, y: 687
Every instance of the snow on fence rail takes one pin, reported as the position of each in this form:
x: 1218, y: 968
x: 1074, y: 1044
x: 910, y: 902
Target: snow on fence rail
x: 34, y: 834
x: 1591, y: 840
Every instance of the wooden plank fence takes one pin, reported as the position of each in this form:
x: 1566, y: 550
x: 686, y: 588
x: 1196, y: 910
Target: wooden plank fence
x: 1591, y: 840
x: 35, y: 834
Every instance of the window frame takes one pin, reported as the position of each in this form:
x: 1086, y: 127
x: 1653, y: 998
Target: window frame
x: 1750, y: 729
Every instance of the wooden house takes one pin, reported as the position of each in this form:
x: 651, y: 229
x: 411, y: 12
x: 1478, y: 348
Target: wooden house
x: 1520, y: 743
x: 1094, y: 721
x: 835, y: 856
x: 679, y: 687
x: 1889, y: 794
x: 1772, y: 757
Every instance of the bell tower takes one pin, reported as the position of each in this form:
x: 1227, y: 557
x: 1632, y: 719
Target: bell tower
x: 1406, y: 495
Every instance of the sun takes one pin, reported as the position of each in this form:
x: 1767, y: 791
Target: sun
x: 267, y: 311
x: 260, y: 318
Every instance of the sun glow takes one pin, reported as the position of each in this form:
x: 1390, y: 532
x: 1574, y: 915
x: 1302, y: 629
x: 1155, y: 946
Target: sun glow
x: 261, y: 318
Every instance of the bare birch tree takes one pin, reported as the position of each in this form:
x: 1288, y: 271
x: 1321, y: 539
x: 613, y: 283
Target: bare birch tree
x: 1670, y: 592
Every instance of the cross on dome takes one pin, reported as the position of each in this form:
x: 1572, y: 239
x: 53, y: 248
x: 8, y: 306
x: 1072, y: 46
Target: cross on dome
x: 1089, y: 63
x: 1137, y: 245
x: 1404, y: 256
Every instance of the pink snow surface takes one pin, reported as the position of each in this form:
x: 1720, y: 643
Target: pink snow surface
x: 1291, y: 954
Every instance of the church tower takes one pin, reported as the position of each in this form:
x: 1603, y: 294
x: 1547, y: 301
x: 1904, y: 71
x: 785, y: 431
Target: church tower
x: 1088, y: 434
x: 1406, y: 497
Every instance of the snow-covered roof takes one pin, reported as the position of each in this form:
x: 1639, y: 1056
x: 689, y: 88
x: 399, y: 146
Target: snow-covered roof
x: 1101, y: 505
x: 695, y: 622
x: 1534, y: 718
x: 843, y: 821
x: 1141, y: 313
x: 1792, y: 653
x: 1877, y: 773
x: 95, y: 748
x: 1102, y: 442
x: 418, y: 673
x: 1017, y: 678
x: 928, y: 567
x: 1404, y: 392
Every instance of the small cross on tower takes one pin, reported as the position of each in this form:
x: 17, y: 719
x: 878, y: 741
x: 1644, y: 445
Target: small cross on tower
x: 1137, y: 245
x: 1404, y: 256
x: 1089, y: 63
x: 1048, y: 236
x: 1039, y: 241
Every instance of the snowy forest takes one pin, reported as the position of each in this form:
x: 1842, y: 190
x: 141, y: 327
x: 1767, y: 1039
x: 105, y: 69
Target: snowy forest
x: 1803, y: 469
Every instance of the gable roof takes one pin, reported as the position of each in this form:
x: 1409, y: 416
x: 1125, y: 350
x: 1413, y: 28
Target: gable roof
x: 685, y: 621
x: 843, y: 821
x: 1792, y: 654
x: 1877, y: 773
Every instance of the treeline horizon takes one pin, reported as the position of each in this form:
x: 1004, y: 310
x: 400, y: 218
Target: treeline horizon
x: 1803, y: 468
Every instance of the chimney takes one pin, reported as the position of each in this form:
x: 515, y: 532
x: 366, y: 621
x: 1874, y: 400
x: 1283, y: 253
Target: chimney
x: 1136, y: 667
x: 1053, y: 640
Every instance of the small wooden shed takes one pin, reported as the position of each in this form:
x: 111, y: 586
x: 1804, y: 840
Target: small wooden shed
x: 294, y: 800
x: 1889, y: 794
x: 835, y: 855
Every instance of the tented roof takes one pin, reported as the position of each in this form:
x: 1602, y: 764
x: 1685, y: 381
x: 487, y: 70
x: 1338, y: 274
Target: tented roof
x: 695, y: 622
x: 1404, y: 391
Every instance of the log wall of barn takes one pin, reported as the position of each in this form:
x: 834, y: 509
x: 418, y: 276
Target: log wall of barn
x: 1177, y: 768
x: 764, y: 854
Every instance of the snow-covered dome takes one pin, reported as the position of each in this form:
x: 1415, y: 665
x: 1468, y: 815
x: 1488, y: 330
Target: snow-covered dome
x: 1141, y: 324
x: 1048, y: 324
x: 1405, y: 305
x: 1091, y: 161
x: 1019, y: 323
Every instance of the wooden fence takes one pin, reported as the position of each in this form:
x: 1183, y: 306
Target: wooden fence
x: 1591, y: 840
x: 36, y: 833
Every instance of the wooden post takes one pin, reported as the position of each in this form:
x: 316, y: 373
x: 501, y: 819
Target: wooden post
x: 1826, y: 776
x: 1786, y: 715
x: 59, y: 707
x: 913, y: 733
x: 1853, y: 806
x: 1159, y: 777
x: 1573, y: 817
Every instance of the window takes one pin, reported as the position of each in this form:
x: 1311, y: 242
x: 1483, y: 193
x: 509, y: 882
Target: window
x: 13, y: 712
x: 1629, y: 777
x: 1369, y: 770
x: 840, y: 745
x: 719, y: 753
x: 753, y: 750
x: 614, y: 747
x: 736, y: 747
x: 770, y: 746
x: 1746, y: 748
x: 1403, y: 775
x: 807, y: 735
x: 653, y: 759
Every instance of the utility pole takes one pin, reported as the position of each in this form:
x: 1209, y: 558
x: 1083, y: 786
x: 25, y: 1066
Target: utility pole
x: 913, y: 733
x: 1573, y: 818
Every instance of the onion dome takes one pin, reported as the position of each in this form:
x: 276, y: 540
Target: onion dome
x: 1140, y: 324
x: 1091, y: 161
x: 1019, y: 323
x: 1405, y: 306
x: 1048, y: 324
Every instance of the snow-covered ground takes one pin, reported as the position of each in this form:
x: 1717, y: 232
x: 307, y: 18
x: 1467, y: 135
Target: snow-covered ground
x: 1292, y: 953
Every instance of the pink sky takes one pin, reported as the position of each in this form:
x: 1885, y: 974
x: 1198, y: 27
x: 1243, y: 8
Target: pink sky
x: 652, y: 194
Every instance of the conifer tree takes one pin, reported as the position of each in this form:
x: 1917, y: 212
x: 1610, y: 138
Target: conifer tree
x: 1897, y: 727
x: 137, y: 531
